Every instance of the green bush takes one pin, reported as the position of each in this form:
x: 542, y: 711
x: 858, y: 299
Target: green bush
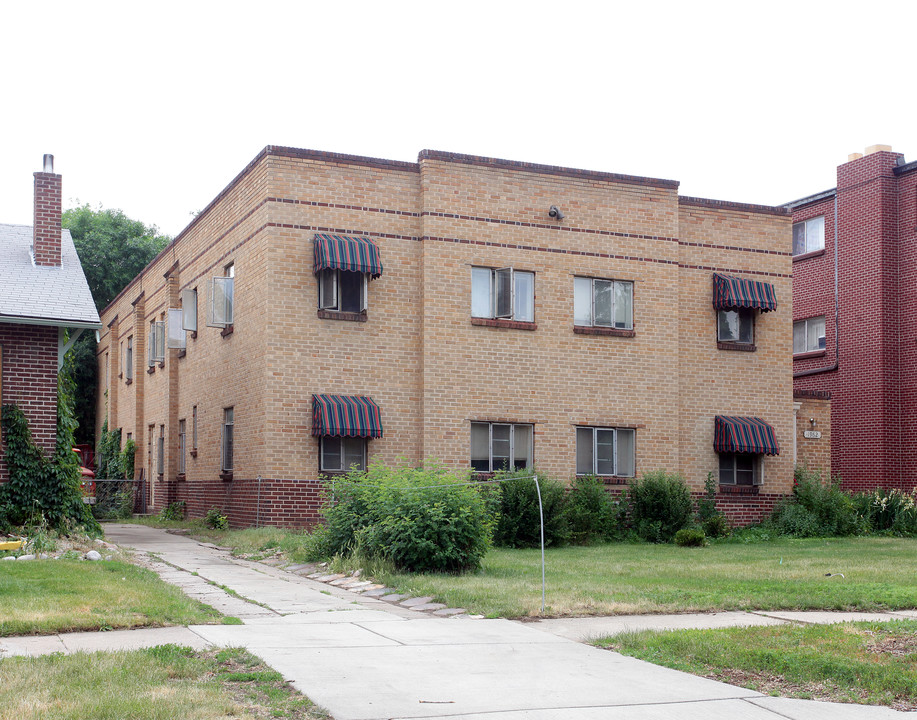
x: 887, y: 511
x: 176, y: 511
x: 426, y: 519
x: 519, y: 524
x: 216, y: 519
x: 690, y: 537
x: 711, y: 518
x: 817, y: 508
x: 108, y: 454
x: 591, y: 512
x: 660, y: 506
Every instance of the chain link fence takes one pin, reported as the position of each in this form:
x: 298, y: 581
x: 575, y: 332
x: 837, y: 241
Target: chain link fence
x: 116, y: 499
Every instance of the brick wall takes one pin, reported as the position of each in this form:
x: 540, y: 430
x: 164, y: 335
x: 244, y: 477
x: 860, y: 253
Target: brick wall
x: 814, y: 452
x: 418, y: 353
x: 29, y: 380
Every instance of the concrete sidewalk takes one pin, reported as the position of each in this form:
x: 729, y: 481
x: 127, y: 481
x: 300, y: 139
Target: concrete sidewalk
x: 365, y: 659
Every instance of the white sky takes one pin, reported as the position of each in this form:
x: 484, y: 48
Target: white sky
x: 154, y: 107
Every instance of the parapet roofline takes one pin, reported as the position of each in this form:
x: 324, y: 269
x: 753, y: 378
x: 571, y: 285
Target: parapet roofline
x: 809, y: 199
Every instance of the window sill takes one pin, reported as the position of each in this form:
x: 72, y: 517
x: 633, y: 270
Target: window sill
x: 341, y: 315
x: 181, y: 353
x: 151, y: 370
x: 193, y: 453
x: 806, y: 256
x: 613, y: 479
x: 194, y: 334
x: 226, y: 331
x: 503, y: 323
x: 807, y: 355
x: 739, y: 489
x: 180, y: 477
x: 741, y: 347
x: 594, y: 330
x: 129, y: 381
x: 226, y: 475
x: 162, y: 365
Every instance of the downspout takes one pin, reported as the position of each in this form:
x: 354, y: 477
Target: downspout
x: 837, y: 314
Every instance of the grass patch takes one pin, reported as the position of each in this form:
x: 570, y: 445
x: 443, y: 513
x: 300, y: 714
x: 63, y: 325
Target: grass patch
x: 621, y: 578
x: 51, y: 596
x: 160, y: 683
x: 866, y: 662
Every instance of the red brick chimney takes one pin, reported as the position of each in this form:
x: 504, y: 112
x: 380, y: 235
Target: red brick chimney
x: 47, y: 227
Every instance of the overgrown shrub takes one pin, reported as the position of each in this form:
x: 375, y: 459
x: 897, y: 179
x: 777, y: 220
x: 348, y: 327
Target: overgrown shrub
x: 176, y: 511
x: 817, y: 508
x: 690, y: 537
x: 425, y: 519
x: 660, y: 506
x: 711, y: 518
x: 108, y: 454
x: 127, y: 459
x: 519, y: 524
x: 887, y: 511
x: 591, y: 512
x: 216, y: 520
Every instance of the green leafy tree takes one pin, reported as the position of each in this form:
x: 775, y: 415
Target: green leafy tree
x: 112, y: 249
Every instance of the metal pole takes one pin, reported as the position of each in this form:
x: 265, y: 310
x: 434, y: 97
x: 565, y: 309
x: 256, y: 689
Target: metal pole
x: 541, y: 518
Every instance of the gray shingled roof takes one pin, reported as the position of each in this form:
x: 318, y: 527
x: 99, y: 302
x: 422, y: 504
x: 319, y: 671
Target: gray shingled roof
x: 36, y: 295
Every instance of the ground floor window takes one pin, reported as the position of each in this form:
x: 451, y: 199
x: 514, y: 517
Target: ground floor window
x: 740, y: 469
x: 228, y: 441
x: 500, y: 446
x: 341, y: 454
x: 605, y: 451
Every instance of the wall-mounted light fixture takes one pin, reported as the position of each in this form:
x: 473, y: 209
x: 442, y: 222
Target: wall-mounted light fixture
x: 555, y: 213
x: 812, y: 422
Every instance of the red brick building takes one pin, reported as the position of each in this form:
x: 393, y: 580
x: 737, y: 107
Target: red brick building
x: 43, y: 293
x: 855, y: 325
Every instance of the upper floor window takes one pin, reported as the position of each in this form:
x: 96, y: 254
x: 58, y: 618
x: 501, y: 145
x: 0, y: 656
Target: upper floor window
x: 736, y: 326
x: 500, y: 446
x: 809, y: 236
x: 342, y: 290
x: 157, y: 342
x: 221, y: 298
x: 175, y: 329
x: 605, y: 451
x: 503, y: 293
x: 809, y: 335
x: 603, y: 303
x: 129, y: 359
x: 189, y: 310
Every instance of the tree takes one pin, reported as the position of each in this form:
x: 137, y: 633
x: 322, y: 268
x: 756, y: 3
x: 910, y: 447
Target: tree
x: 112, y: 249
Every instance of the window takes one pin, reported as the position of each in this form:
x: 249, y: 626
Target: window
x: 340, y: 454
x: 189, y: 310
x: 342, y: 290
x: 499, y: 446
x: 161, y: 450
x: 740, y: 469
x: 221, y: 298
x: 176, y: 331
x: 129, y: 360
x: 736, y: 326
x: 603, y: 303
x: 181, y: 447
x: 809, y: 236
x: 157, y: 342
x: 809, y: 335
x: 194, y: 430
x: 227, y: 449
x: 503, y: 293
x: 605, y: 451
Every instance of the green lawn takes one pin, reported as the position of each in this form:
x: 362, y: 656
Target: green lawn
x: 869, y: 663
x: 162, y: 683
x: 625, y: 578
x: 50, y: 596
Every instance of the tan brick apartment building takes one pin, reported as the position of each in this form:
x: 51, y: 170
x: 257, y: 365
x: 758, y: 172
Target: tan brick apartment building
x: 522, y: 314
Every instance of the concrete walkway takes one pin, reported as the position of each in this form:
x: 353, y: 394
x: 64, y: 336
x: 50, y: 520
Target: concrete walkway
x: 362, y: 658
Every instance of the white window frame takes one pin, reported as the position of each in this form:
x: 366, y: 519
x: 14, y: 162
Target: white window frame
x: 741, y: 312
x: 129, y: 359
x: 157, y: 352
x: 321, y: 453
x: 581, y: 281
x: 177, y: 340
x: 161, y: 451
x: 330, y: 279
x: 182, y: 445
x: 595, y: 454
x: 222, y: 300
x: 227, y: 440
x: 189, y: 309
x: 512, y: 444
x: 813, y: 235
x: 806, y: 324
x: 501, y: 302
x: 757, y: 469
x: 194, y: 429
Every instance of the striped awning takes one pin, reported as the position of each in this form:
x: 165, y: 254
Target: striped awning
x: 744, y: 435
x: 732, y: 293
x: 345, y: 416
x: 344, y: 252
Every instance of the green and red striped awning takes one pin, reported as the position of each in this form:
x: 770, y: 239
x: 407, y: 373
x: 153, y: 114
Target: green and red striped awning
x: 744, y: 435
x: 345, y: 416
x: 344, y: 252
x: 732, y: 293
